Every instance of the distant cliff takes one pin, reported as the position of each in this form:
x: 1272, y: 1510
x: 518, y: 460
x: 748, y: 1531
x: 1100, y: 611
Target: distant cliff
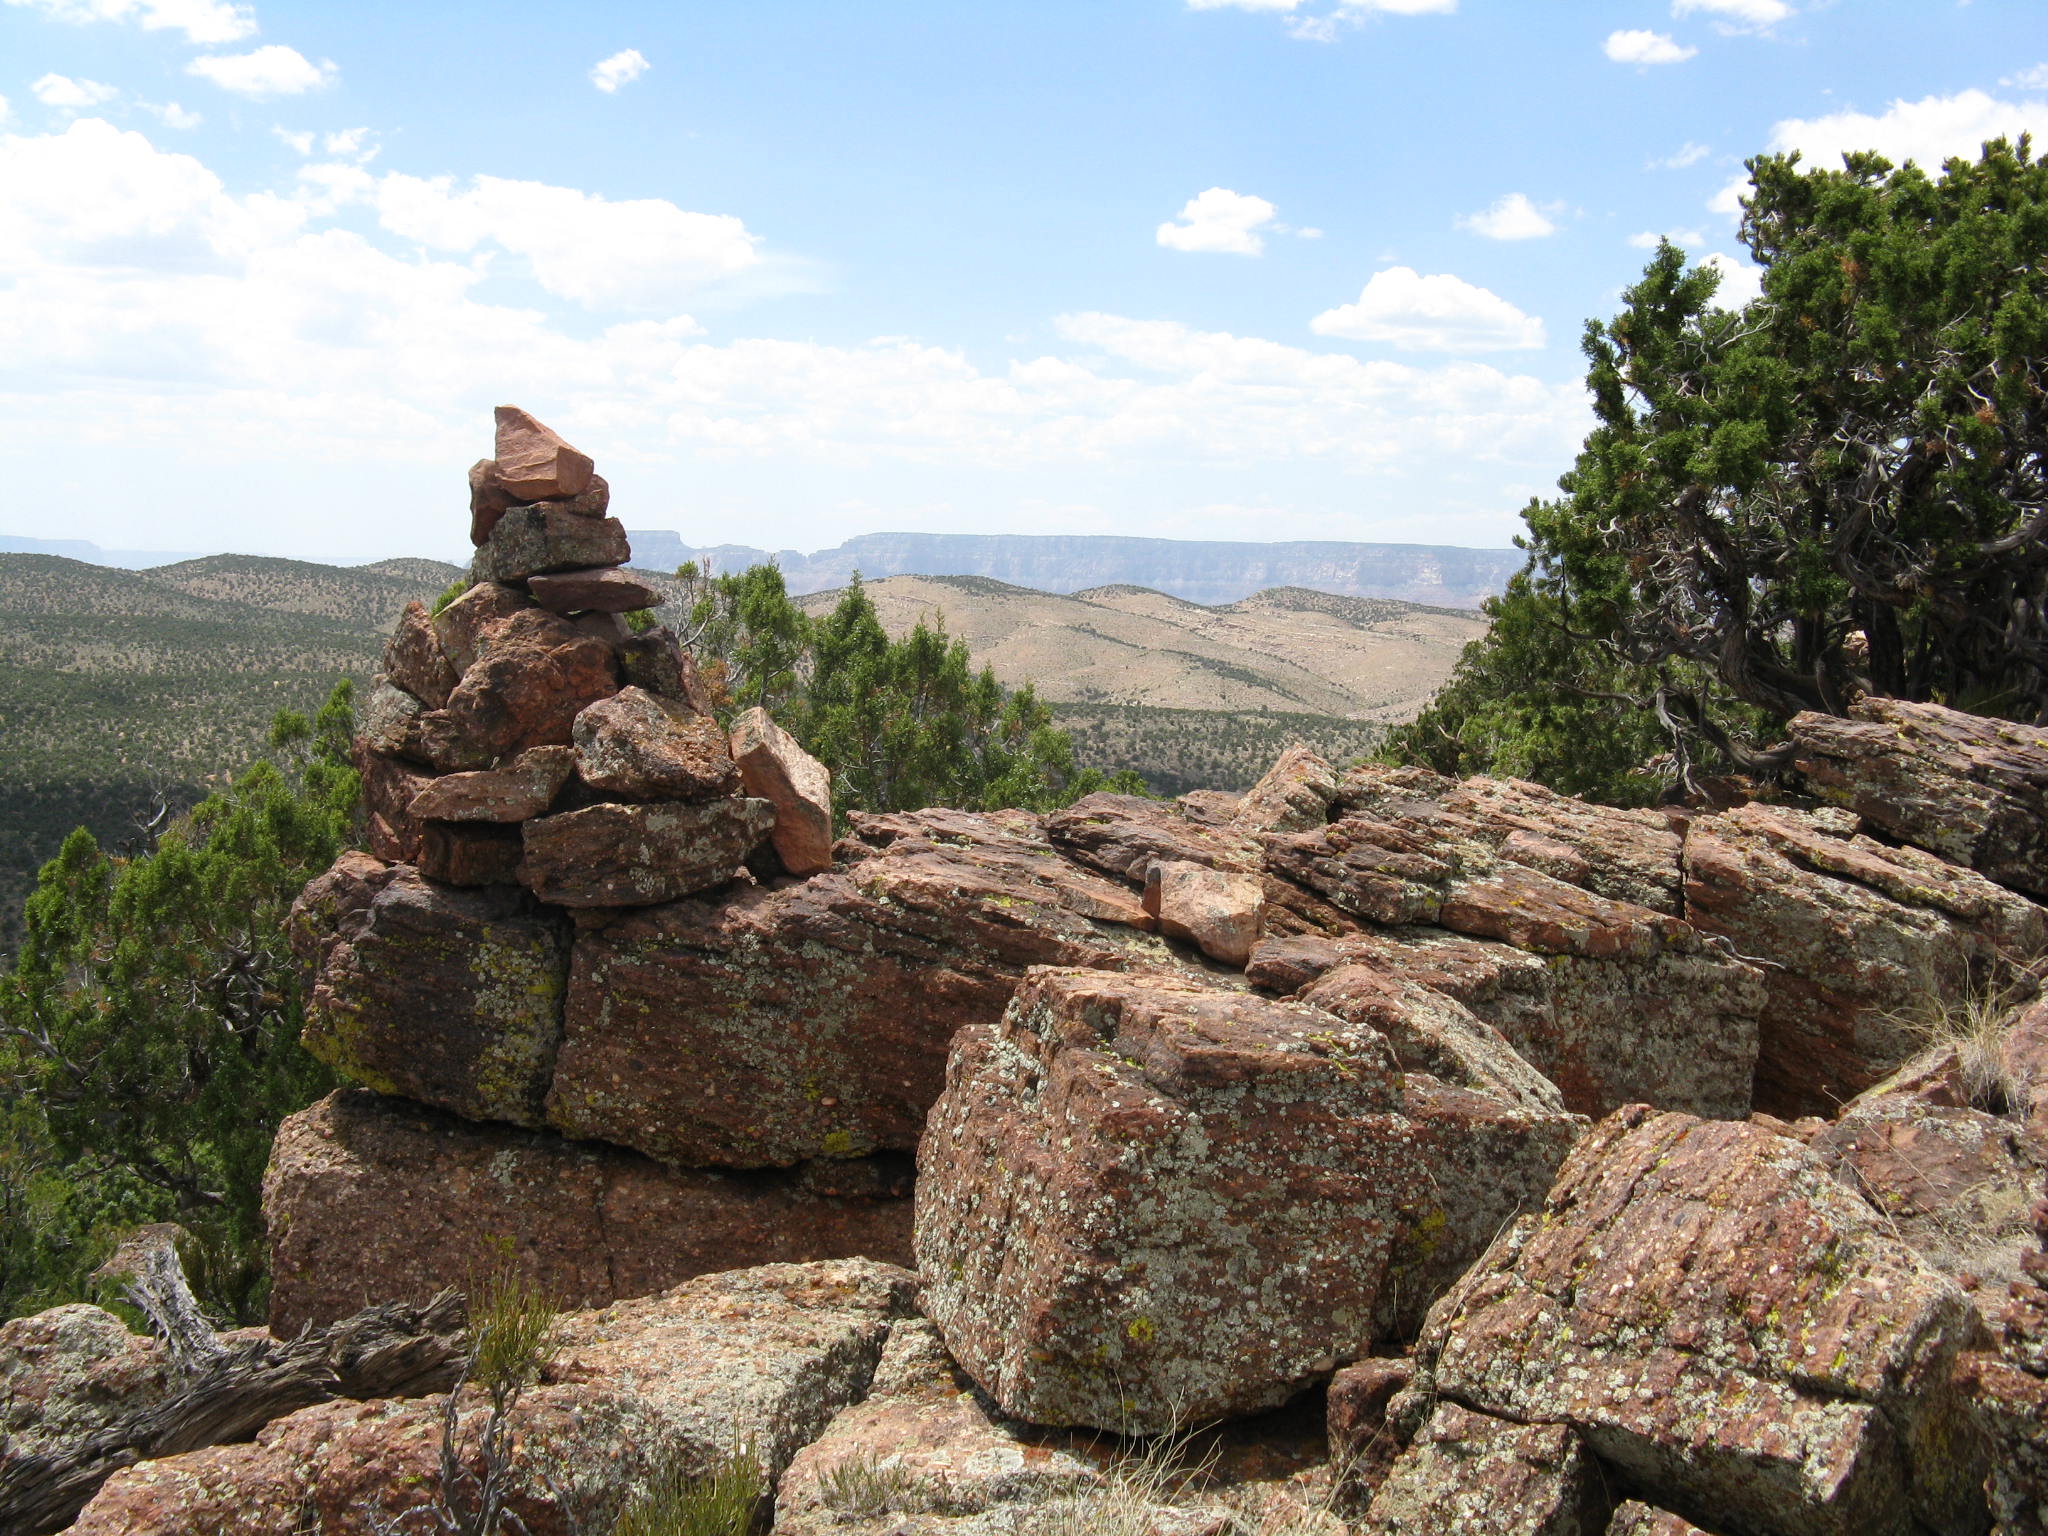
x: 1199, y: 570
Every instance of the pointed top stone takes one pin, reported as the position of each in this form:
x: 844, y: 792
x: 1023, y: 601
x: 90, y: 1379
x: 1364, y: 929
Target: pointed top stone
x: 534, y: 464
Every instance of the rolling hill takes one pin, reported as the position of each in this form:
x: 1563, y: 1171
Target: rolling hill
x: 117, y: 685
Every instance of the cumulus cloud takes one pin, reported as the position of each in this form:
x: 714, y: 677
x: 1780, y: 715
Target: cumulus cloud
x: 1440, y: 313
x: 261, y: 73
x: 642, y: 253
x: 158, y: 313
x: 1640, y: 46
x: 1735, y: 16
x: 1928, y: 131
x: 622, y: 68
x: 1512, y: 217
x: 171, y: 115
x: 63, y: 91
x: 1323, y: 27
x: 2032, y: 78
x: 1688, y: 154
x: 1740, y: 282
x: 202, y: 21
x: 1649, y: 239
x: 1219, y: 220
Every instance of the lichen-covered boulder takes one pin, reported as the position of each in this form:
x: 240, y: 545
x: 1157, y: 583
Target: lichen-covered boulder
x: 774, y: 1026
x: 1468, y: 1474
x: 1218, y: 912
x: 373, y: 1198
x: 67, y: 1372
x: 753, y: 1360
x: 414, y: 660
x: 1719, y: 1318
x: 462, y: 626
x: 1970, y: 788
x: 548, y: 537
x: 639, y: 746
x: 523, y: 788
x: 1147, y: 1201
x: 640, y: 855
x: 452, y: 997
x: 923, y: 1452
x: 1861, y: 940
x: 1295, y: 794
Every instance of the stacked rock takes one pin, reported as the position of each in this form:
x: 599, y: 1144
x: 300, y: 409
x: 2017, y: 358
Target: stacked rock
x: 501, y: 748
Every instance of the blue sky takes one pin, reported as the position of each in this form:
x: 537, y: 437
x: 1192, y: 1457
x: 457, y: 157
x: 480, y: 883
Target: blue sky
x: 794, y: 270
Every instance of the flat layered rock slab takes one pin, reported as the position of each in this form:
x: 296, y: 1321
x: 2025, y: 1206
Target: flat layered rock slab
x: 1145, y: 1201
x: 758, y: 1358
x: 373, y: 1198
x: 1718, y: 1317
x: 451, y: 997
x: 1970, y: 788
x: 1861, y: 939
x: 640, y: 855
x: 545, y: 538
x: 1468, y: 1474
x: 813, y: 1021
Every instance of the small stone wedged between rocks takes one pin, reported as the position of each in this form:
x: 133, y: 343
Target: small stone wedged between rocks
x: 1468, y: 1474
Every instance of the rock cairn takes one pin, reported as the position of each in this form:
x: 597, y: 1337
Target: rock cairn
x: 1566, y: 1151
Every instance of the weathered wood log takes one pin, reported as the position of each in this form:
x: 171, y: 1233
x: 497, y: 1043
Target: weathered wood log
x: 230, y: 1386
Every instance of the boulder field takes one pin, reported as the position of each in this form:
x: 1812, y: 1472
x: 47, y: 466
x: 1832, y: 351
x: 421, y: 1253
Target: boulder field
x: 1440, y: 1156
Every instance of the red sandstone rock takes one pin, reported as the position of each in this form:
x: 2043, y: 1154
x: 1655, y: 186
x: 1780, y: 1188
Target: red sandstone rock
x: 453, y: 997
x: 638, y: 855
x: 489, y: 499
x: 378, y: 1198
x: 548, y: 537
x: 1952, y: 1180
x: 1362, y: 1443
x: 414, y: 660
x: 1124, y: 835
x: 1295, y: 795
x: 653, y: 660
x: 774, y: 768
x: 933, y: 1451
x: 389, y: 789
x: 534, y: 464
x: 1219, y: 913
x: 814, y: 1020
x: 642, y: 747
x: 1145, y: 1201
x: 65, y: 1372
x: 759, y: 1358
x: 523, y: 788
x: 600, y: 591
x: 1728, y: 1326
x: 469, y: 853
x: 1861, y: 938
x: 462, y: 626
x: 1972, y: 789
x: 1468, y: 1474
x: 1637, y: 1519
x: 534, y: 675
x: 391, y: 722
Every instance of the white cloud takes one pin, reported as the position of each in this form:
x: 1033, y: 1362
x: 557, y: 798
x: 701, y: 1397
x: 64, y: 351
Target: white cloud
x: 150, y: 315
x: 353, y: 143
x: 1740, y: 282
x: 1928, y: 131
x: 1323, y: 28
x: 202, y: 21
x: 1639, y: 46
x: 1740, y: 15
x: 1243, y: 5
x: 1689, y: 154
x: 2032, y: 78
x: 1440, y: 313
x: 1218, y: 220
x: 5, y: 110
x: 622, y: 68
x: 1648, y: 239
x: 640, y: 254
x: 298, y: 142
x: 171, y: 115
x: 272, y: 70
x: 1512, y: 217
x: 63, y: 91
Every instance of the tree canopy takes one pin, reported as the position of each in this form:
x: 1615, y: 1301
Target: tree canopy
x: 901, y: 723
x: 149, y: 1027
x: 1840, y: 487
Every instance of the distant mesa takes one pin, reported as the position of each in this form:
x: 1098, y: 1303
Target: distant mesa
x: 1196, y: 570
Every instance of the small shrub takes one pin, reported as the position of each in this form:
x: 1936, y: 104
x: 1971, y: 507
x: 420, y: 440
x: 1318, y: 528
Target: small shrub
x: 449, y: 593
x: 640, y: 620
x: 726, y: 1501
x: 1975, y: 1027
x: 863, y: 1488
